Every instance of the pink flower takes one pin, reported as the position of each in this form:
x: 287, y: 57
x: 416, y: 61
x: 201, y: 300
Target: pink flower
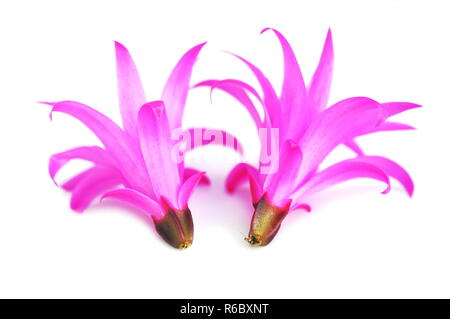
x: 139, y: 156
x: 305, y: 131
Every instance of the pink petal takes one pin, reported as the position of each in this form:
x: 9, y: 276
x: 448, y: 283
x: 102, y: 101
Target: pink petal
x: 188, y: 172
x: 293, y: 92
x: 303, y: 206
x: 338, y: 173
x: 238, y: 175
x: 131, y: 93
x: 392, y: 169
x: 335, y: 125
x: 279, y: 185
x: 351, y: 144
x: 383, y: 127
x: 187, y: 188
x: 238, y: 90
x: 156, y: 147
x: 93, y: 154
x: 200, y: 136
x: 271, y: 102
x: 114, y: 139
x: 91, y: 185
x: 319, y: 87
x: 393, y: 108
x: 177, y: 86
x: 137, y: 199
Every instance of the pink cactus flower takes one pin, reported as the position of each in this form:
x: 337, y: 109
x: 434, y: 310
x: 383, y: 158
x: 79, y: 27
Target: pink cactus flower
x: 306, y: 132
x: 136, y: 164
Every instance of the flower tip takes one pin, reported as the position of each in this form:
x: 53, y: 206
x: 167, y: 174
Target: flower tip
x: 265, y: 29
x: 387, y: 190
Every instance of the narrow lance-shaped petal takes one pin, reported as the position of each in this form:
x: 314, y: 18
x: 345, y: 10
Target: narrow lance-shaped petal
x: 156, y: 147
x: 175, y: 91
x: 131, y: 93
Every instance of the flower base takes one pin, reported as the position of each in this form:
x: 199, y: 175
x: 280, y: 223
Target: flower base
x: 265, y: 223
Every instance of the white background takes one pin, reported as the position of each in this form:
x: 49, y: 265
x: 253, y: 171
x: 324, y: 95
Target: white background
x: 355, y: 243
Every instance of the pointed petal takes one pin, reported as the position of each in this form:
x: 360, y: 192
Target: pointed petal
x: 388, y: 126
x: 93, y: 154
x: 121, y: 148
x: 188, y: 172
x: 187, y: 188
x: 177, y: 86
x: 338, y: 173
x: 303, y: 206
x: 293, y: 92
x: 200, y: 136
x: 238, y: 90
x: 271, y: 102
x: 337, y: 124
x: 131, y: 93
x: 238, y: 175
x: 319, y: 87
x: 279, y: 185
x: 156, y: 147
x: 393, y: 108
x: 392, y: 169
x: 92, y: 185
x: 351, y: 144
x: 136, y: 199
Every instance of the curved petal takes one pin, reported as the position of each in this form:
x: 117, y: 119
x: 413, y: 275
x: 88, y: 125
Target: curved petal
x: 392, y: 169
x: 177, y: 86
x: 351, y: 144
x: 238, y: 90
x: 319, y: 87
x: 188, y: 172
x: 338, y: 173
x: 94, y: 154
x: 121, y: 148
x: 279, y: 185
x: 271, y: 102
x: 156, y: 147
x: 200, y: 136
x: 131, y: 93
x: 137, y: 199
x: 187, y: 188
x: 337, y: 124
x: 393, y: 108
x: 238, y: 175
x: 91, y: 185
x: 293, y: 92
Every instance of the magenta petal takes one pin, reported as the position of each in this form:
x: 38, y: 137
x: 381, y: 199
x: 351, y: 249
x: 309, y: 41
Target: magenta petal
x: 177, y: 86
x: 392, y: 169
x: 131, y: 93
x: 238, y: 175
x: 293, y: 92
x: 113, y: 138
x: 393, y: 108
x: 93, y: 154
x: 303, y: 206
x: 187, y: 188
x: 238, y: 90
x: 351, y: 144
x: 92, y: 185
x: 156, y: 147
x: 270, y: 97
x: 337, y: 124
x: 279, y: 185
x: 137, y: 199
x: 319, y: 87
x: 201, y: 136
x: 338, y: 173
x: 188, y: 172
